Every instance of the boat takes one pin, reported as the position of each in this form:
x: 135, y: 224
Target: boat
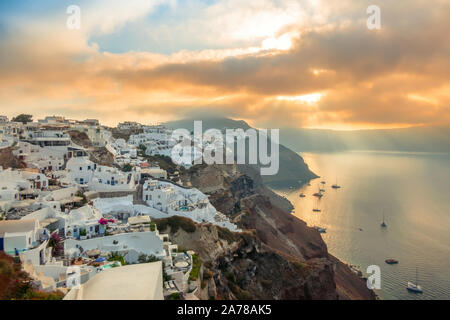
x: 320, y: 229
x: 391, y: 261
x: 336, y: 186
x: 414, y: 287
x: 302, y: 195
x: 318, y: 194
x: 383, y: 224
x: 323, y: 182
x: 316, y: 207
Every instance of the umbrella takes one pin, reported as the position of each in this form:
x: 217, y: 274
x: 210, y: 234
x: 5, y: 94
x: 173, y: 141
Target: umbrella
x: 93, y: 252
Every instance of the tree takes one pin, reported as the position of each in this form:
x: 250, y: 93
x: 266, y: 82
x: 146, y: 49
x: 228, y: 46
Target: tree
x: 55, y: 244
x: 24, y: 118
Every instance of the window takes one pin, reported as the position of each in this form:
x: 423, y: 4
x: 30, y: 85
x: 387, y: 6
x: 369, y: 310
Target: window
x: 81, y: 168
x: 89, y: 167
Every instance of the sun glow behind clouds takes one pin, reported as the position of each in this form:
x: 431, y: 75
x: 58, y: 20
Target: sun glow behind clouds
x: 306, y: 98
x: 281, y: 43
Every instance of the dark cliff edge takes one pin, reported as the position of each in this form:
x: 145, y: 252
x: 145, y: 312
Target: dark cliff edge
x: 277, y: 256
x: 292, y: 168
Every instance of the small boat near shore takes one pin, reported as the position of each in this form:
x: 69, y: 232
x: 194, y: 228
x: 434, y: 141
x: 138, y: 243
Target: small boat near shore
x: 320, y: 229
x: 302, y: 195
x: 391, y: 261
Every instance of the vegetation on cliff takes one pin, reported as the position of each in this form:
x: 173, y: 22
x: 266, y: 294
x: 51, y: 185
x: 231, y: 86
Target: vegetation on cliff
x: 16, y: 284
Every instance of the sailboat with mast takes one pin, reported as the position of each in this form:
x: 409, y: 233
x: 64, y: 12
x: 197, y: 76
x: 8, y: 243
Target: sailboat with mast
x: 383, y: 224
x: 336, y: 186
x: 318, y: 194
x: 415, y: 287
x: 316, y: 206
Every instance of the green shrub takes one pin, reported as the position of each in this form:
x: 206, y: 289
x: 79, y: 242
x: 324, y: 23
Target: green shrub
x: 196, y: 264
x: 175, y: 296
x: 227, y: 235
x: 175, y: 223
x: 115, y: 256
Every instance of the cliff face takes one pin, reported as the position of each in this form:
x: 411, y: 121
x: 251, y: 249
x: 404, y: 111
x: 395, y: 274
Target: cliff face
x: 277, y: 257
x: 240, y: 266
x: 292, y: 169
x: 8, y: 160
x: 80, y: 138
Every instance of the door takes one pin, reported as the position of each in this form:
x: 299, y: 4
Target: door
x: 1, y: 244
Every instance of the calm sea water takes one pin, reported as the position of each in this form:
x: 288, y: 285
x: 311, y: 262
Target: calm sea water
x: 413, y: 190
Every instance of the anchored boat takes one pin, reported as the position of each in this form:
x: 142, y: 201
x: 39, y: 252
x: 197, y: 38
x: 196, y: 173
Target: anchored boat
x: 414, y: 287
x: 391, y: 261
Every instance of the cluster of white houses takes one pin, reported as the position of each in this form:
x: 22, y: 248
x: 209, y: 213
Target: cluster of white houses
x: 73, y: 222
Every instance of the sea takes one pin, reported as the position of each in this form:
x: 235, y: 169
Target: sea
x: 411, y: 191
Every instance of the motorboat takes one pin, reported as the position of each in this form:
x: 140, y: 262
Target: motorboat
x: 391, y: 261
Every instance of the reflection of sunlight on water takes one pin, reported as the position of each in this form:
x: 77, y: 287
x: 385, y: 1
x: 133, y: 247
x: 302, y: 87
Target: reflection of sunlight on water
x: 412, y: 190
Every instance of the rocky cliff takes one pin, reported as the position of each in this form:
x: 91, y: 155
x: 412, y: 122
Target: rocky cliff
x: 292, y: 168
x: 276, y: 257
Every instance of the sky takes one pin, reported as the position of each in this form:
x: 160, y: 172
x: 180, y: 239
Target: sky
x: 273, y: 63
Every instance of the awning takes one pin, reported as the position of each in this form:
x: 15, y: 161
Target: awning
x: 71, y: 200
x: 28, y: 191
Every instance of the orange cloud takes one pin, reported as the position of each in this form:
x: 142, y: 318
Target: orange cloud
x: 398, y: 76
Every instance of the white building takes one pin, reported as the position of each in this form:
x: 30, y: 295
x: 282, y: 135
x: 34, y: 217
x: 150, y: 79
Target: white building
x: 160, y: 196
x: 187, y: 202
x: 133, y: 282
x: 99, y: 178
x: 17, y: 184
x: 84, y: 223
x: 53, y: 120
x: 131, y: 245
x: 47, y: 154
x: 128, y: 125
x: 18, y: 235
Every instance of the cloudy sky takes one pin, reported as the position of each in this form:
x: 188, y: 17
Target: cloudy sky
x: 273, y: 63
